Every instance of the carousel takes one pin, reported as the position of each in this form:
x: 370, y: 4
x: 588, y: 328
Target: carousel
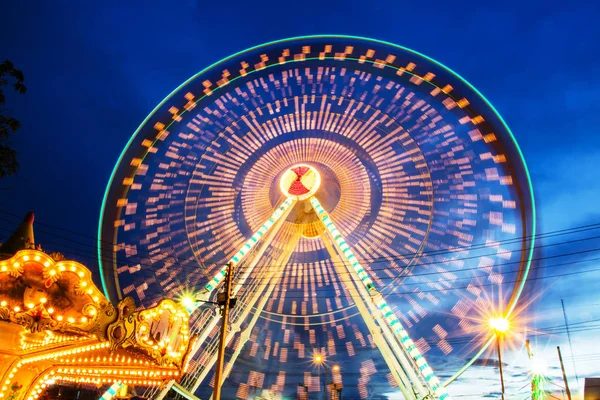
x: 61, y: 337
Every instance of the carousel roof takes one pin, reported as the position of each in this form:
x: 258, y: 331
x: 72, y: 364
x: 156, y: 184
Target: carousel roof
x: 54, y: 319
x: 21, y: 239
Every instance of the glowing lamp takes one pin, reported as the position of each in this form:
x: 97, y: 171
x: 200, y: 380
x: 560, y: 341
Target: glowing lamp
x: 538, y: 367
x: 500, y: 324
x: 318, y: 359
x: 188, y: 302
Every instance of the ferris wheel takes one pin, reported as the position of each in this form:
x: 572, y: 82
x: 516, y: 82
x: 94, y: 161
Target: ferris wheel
x: 375, y: 205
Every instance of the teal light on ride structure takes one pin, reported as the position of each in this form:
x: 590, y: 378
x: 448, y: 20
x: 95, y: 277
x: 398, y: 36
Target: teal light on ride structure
x: 112, y: 391
x: 432, y: 380
x: 362, y: 275
x: 219, y: 276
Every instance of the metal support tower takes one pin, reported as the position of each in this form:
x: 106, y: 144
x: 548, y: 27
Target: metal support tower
x: 411, y: 371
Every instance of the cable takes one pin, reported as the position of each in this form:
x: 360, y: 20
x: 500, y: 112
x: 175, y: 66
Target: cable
x: 479, y: 286
x: 454, y: 250
x: 484, y: 285
x: 437, y: 252
x: 458, y: 340
x: 152, y: 273
x: 254, y: 280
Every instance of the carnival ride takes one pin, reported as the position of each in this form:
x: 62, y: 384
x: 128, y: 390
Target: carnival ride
x: 376, y: 208
x: 59, y: 329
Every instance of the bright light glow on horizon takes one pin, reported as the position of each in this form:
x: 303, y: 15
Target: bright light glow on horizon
x: 499, y: 324
x: 189, y: 303
x: 538, y: 367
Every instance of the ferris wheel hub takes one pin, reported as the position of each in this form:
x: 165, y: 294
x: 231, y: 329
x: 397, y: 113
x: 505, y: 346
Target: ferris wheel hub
x: 300, y: 181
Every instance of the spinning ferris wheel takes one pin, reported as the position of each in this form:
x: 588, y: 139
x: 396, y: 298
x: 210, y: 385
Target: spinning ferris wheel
x: 375, y: 205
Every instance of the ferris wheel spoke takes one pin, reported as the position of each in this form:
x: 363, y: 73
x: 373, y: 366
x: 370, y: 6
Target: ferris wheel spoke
x: 360, y: 275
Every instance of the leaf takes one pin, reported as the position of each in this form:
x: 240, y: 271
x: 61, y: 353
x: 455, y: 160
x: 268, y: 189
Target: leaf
x: 18, y: 75
x: 8, y: 161
x: 9, y: 125
x: 19, y: 87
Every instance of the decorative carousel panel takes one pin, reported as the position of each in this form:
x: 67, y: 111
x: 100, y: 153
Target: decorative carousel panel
x: 41, y: 293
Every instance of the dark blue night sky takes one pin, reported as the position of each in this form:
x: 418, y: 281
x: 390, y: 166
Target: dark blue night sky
x: 94, y: 70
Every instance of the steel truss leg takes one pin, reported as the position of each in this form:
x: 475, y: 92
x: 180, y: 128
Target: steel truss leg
x: 276, y: 219
x: 404, y: 383
x: 390, y: 337
x: 286, y: 208
x: 273, y: 279
x: 385, y: 314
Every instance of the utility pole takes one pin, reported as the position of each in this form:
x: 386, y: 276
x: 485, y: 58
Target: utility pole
x: 562, y: 367
x: 498, y: 336
x: 537, y: 379
x: 562, y: 303
x: 225, y: 303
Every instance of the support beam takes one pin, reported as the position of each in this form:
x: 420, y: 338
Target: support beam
x: 388, y: 315
x: 401, y: 379
x: 111, y: 391
x: 407, y: 365
x: 237, y: 324
x: 208, y: 326
x: 245, y: 249
x: 177, y: 388
x: 273, y: 278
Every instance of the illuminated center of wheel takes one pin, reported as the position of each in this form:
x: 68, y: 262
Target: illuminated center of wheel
x: 300, y: 182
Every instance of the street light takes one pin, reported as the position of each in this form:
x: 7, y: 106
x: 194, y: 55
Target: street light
x: 319, y: 360
x: 189, y: 303
x: 500, y: 326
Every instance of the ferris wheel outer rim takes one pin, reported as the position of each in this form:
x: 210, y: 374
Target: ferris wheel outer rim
x: 521, y: 284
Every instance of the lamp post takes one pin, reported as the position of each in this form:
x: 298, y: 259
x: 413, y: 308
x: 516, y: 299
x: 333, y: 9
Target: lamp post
x: 499, y: 326
x: 320, y: 360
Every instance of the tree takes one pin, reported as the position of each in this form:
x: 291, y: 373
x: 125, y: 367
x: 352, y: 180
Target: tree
x: 9, y: 75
